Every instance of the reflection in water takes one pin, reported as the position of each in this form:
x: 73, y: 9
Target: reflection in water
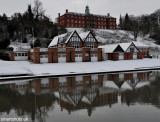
x: 37, y: 98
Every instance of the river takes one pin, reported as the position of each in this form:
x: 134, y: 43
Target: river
x: 117, y: 97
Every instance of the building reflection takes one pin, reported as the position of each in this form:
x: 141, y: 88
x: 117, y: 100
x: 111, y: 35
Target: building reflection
x: 90, y: 91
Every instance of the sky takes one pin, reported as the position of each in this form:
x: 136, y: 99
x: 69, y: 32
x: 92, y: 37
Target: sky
x: 102, y: 7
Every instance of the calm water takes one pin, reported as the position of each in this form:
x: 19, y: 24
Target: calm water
x: 124, y: 97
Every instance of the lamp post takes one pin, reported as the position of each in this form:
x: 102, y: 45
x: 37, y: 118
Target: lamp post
x: 159, y: 19
x: 33, y: 36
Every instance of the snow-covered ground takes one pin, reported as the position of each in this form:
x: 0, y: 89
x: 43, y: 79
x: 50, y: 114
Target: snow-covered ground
x: 24, y: 67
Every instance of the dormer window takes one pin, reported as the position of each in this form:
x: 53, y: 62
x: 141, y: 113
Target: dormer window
x: 131, y: 50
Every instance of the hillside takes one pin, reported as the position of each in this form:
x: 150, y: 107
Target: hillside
x: 116, y: 36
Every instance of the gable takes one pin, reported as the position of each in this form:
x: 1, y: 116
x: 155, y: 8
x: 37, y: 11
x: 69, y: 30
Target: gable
x: 118, y: 49
x: 132, y: 47
x: 74, y: 37
x: 90, y: 38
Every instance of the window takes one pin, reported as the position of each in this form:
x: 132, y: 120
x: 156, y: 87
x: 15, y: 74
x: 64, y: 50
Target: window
x: 43, y: 56
x: 15, y: 54
x: 59, y: 46
x: 93, y: 55
x: 131, y: 50
x: 26, y: 54
x: 78, y: 55
x: 90, y: 44
x: 61, y: 55
x: 75, y: 38
x: 86, y: 54
x: 19, y: 54
x: 22, y: 54
x: 75, y: 44
x: 90, y: 41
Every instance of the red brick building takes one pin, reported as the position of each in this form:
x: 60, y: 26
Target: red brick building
x: 69, y: 47
x: 123, y: 51
x: 87, y: 20
x: 143, y: 48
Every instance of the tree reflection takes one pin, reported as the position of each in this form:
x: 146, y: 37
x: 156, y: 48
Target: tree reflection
x: 29, y: 104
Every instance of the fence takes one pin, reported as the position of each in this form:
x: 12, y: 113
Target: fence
x: 156, y: 56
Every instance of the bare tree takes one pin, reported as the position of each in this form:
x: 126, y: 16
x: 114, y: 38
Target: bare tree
x: 155, y: 51
x: 38, y: 9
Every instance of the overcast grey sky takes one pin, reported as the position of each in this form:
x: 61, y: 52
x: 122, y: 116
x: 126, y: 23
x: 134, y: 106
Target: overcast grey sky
x: 114, y: 7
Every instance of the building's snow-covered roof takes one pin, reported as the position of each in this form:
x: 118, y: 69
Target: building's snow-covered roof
x: 140, y: 44
x: 69, y: 36
x: 125, y: 85
x: 84, y: 35
x: 110, y: 84
x: 85, y: 99
x: 20, y: 46
x: 125, y: 46
x: 82, y: 14
x: 109, y: 48
x: 55, y: 39
x: 142, y: 84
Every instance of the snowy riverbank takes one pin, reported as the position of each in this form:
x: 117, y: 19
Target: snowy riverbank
x: 25, y: 67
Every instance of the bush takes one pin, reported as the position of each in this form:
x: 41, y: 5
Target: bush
x: 4, y: 56
x: 25, y: 40
x: 4, y: 43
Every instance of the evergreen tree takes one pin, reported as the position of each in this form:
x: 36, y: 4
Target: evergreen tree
x: 126, y: 22
x: 30, y: 13
x: 37, y: 43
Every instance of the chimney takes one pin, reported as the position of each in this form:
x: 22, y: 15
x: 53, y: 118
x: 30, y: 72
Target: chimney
x: 58, y: 15
x: 135, y: 39
x: 108, y: 14
x: 66, y: 10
